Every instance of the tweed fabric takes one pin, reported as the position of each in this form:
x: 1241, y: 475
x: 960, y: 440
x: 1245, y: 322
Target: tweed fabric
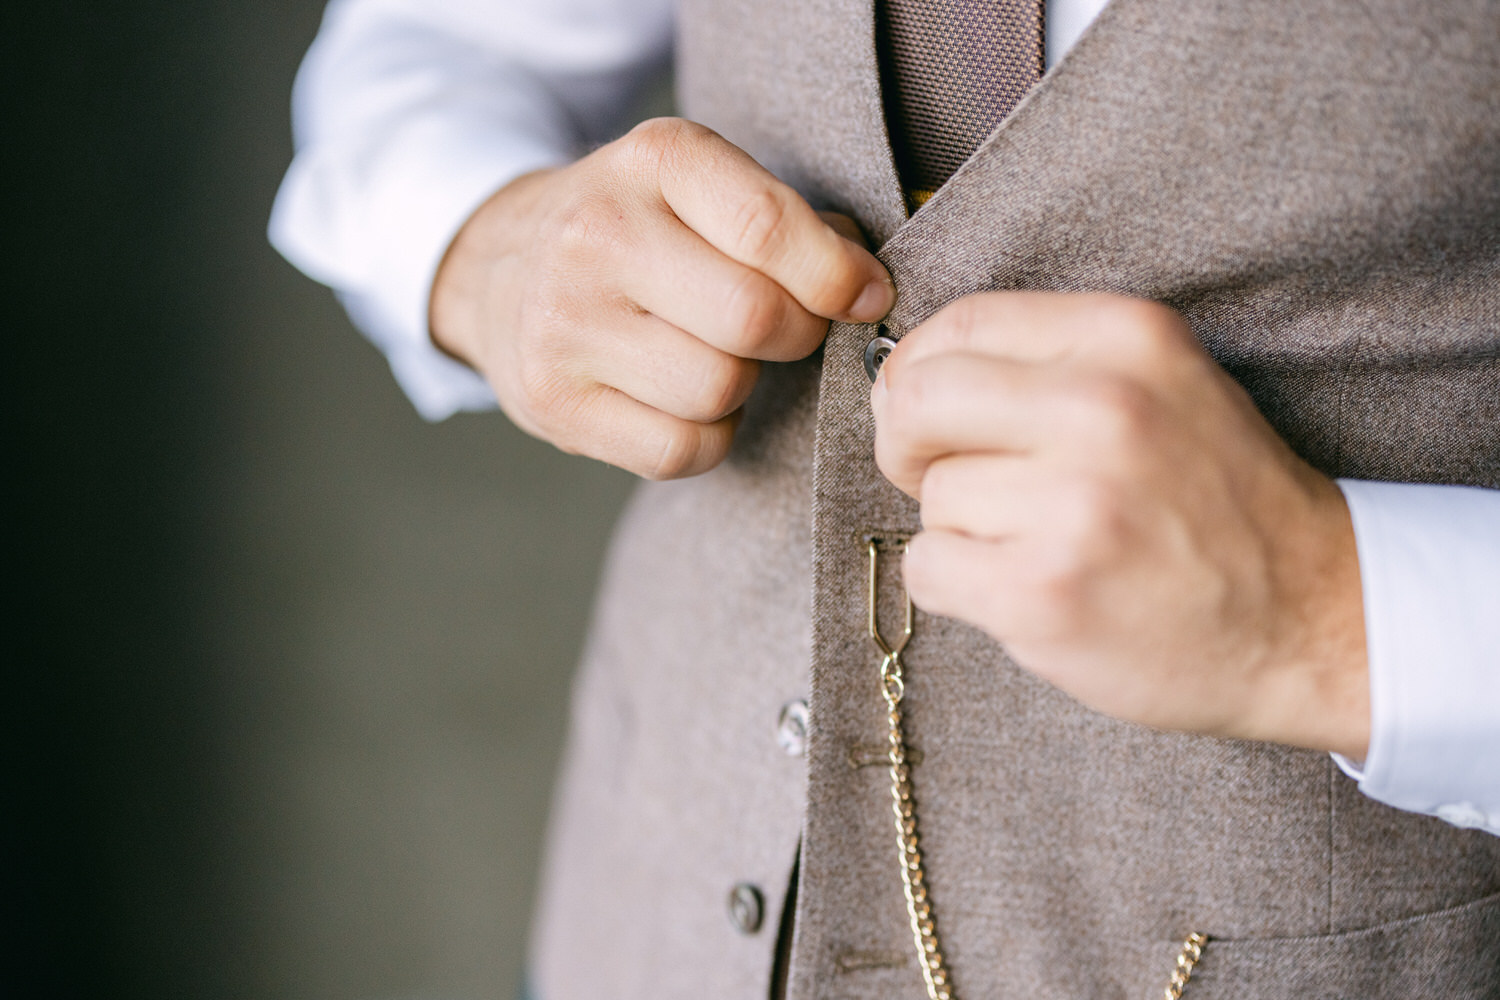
x: 950, y: 72
x: 1317, y: 189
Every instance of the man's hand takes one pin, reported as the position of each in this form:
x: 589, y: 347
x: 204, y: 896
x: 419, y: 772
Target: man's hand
x: 1099, y: 496
x: 619, y: 305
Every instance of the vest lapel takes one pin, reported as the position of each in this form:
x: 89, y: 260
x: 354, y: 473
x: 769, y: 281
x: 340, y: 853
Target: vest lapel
x: 797, y: 85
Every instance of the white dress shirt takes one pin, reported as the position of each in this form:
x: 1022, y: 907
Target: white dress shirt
x: 408, y: 114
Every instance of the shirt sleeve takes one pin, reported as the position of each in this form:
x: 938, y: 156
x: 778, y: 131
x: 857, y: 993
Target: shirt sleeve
x: 408, y: 114
x: 1430, y: 568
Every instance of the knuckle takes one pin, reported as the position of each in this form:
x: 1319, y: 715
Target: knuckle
x: 545, y: 307
x: 672, y: 459
x: 962, y: 322
x: 759, y: 226
x: 542, y: 393
x: 588, y: 223
x: 725, y: 383
x: 543, y: 389
x: 1117, y: 411
x: 653, y: 141
x: 911, y: 397
x: 1057, y: 595
x: 837, y: 281
x: 1148, y: 330
x: 755, y: 313
x: 958, y: 327
x: 1092, y: 517
x: 668, y: 147
x: 678, y: 455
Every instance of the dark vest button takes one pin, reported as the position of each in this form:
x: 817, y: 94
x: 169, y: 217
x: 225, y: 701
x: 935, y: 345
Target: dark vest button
x: 876, y: 351
x: 791, y: 728
x: 747, y: 908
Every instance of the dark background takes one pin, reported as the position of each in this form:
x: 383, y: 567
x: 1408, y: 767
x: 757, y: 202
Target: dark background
x: 291, y: 667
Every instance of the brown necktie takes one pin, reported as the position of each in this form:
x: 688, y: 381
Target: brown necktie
x: 951, y: 70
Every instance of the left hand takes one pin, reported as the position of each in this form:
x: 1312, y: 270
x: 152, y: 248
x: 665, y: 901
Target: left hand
x: 1100, y: 497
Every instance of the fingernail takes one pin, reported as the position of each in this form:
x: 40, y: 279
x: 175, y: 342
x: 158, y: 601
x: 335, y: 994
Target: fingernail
x: 874, y: 302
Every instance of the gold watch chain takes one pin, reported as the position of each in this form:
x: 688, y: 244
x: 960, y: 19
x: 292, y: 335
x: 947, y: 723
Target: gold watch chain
x: 913, y: 875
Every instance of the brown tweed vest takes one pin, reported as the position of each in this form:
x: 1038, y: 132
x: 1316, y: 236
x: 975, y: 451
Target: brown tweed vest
x: 1316, y: 186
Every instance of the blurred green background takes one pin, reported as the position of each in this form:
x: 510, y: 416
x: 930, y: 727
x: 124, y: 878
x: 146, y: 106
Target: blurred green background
x: 291, y: 671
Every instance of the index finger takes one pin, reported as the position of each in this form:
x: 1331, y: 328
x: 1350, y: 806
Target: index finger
x: 744, y: 212
x: 1043, y: 327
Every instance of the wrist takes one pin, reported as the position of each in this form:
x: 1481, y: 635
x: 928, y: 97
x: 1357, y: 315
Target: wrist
x: 500, y: 230
x: 1319, y: 692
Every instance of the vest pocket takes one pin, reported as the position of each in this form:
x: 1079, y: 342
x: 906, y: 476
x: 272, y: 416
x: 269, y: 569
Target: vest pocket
x: 1452, y: 953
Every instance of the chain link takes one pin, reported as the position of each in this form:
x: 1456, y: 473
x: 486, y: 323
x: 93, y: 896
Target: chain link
x: 913, y: 875
x: 1187, y: 960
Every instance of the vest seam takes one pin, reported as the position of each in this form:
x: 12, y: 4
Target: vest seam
x: 1333, y: 775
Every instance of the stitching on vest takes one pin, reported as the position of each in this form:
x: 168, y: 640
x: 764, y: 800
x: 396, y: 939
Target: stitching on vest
x: 878, y: 755
x: 859, y: 961
x: 1333, y: 776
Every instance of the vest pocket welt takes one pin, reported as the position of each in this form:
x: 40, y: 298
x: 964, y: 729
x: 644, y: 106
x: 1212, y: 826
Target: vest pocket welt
x: 1452, y: 953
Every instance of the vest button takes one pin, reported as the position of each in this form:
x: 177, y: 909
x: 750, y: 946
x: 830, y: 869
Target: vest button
x: 746, y: 908
x: 876, y: 351
x: 791, y: 728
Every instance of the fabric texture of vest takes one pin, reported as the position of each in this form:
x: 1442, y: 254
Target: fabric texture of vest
x: 1316, y: 187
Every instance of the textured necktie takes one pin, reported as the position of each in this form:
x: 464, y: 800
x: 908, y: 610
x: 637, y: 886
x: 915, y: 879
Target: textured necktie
x: 951, y: 70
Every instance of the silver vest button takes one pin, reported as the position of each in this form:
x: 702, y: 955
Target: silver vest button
x: 747, y: 908
x: 791, y: 728
x: 876, y: 351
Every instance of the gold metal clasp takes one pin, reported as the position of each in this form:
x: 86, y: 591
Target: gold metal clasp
x: 891, y: 680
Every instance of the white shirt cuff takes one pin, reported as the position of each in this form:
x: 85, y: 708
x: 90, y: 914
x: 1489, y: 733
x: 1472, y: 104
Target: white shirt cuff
x: 1430, y: 567
x: 415, y: 191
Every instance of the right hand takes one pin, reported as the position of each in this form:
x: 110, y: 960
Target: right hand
x: 620, y: 305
